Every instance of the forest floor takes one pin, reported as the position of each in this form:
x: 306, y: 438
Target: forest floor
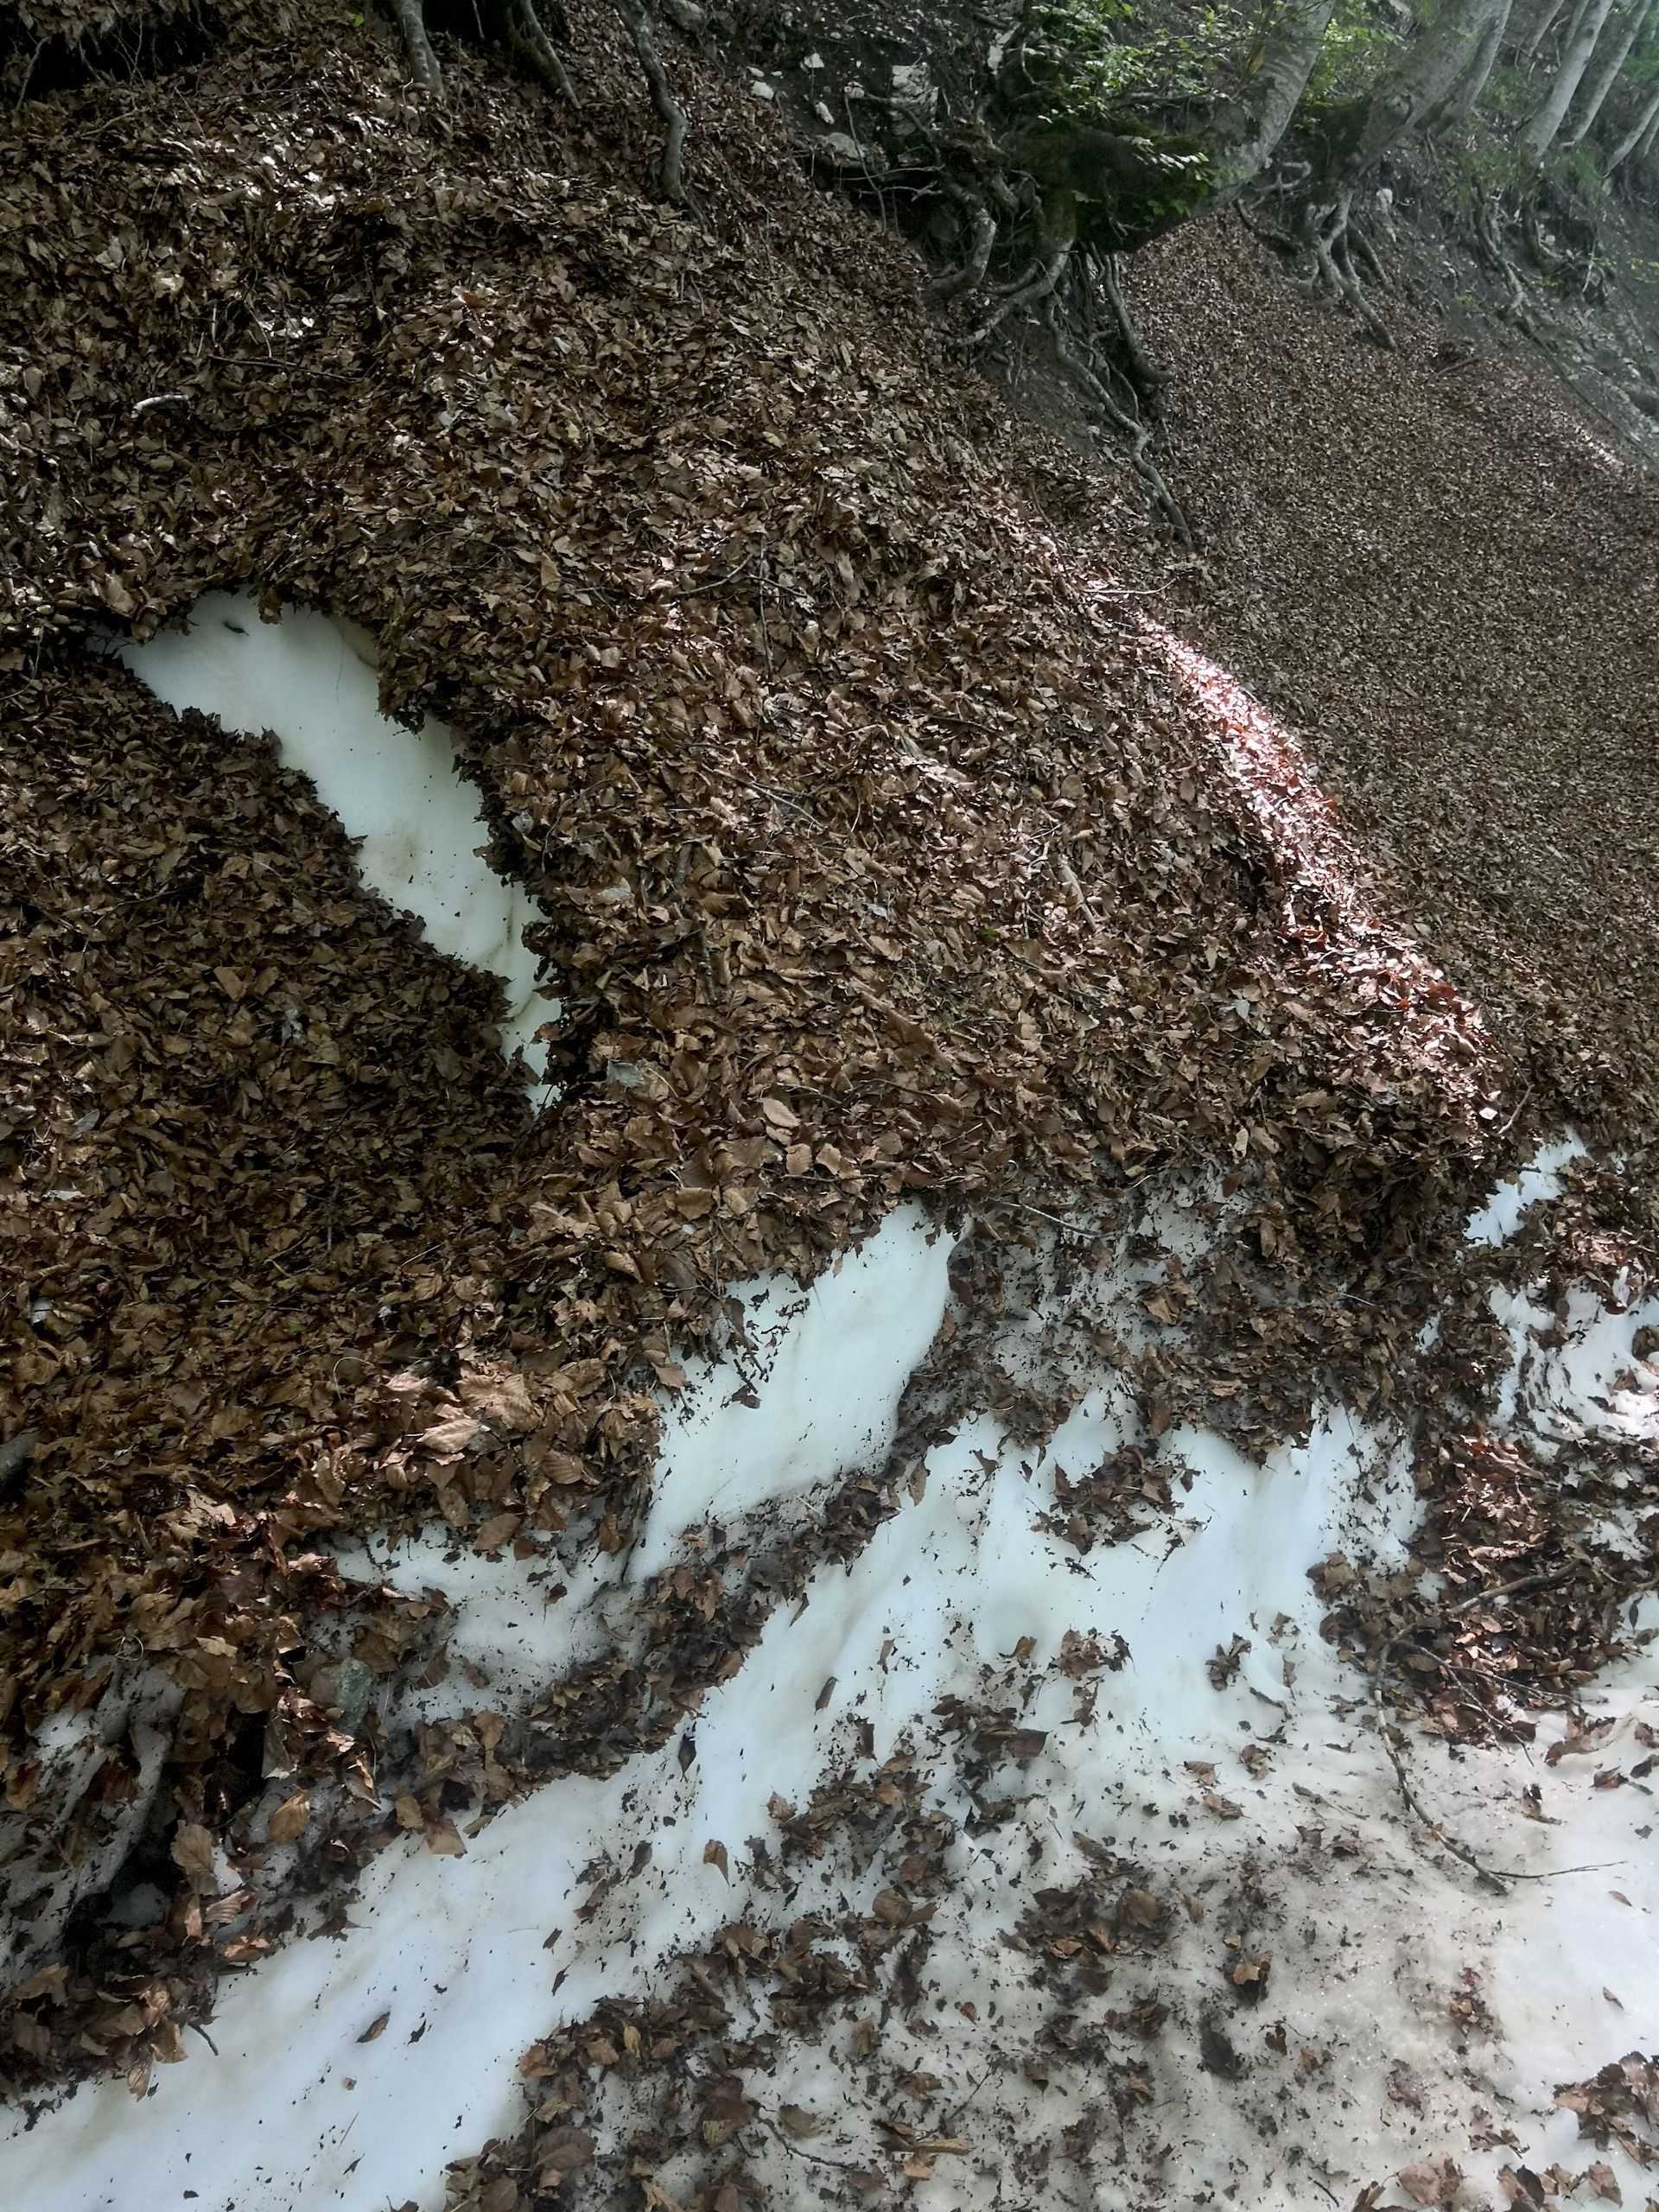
x: 501, y: 1682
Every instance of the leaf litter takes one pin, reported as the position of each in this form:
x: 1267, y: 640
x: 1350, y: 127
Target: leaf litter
x: 881, y: 857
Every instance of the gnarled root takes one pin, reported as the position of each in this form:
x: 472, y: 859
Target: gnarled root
x: 411, y: 20
x: 670, y: 112
x: 1491, y: 245
x: 1325, y: 234
x: 956, y: 282
x: 536, y: 50
x: 1038, y: 285
x: 1130, y: 429
x: 1144, y: 373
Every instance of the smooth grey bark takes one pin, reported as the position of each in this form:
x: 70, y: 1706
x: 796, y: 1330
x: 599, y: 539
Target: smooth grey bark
x: 1542, y: 24
x: 1538, y: 132
x: 1615, y: 52
x: 1245, y: 135
x: 1648, y: 138
x: 1428, y: 74
x: 1640, y: 136
x: 1146, y: 184
x: 1461, y: 105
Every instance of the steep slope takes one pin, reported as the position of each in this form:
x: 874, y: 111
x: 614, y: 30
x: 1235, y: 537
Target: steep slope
x: 902, y: 876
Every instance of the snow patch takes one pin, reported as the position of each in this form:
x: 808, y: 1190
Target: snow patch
x: 311, y: 680
x: 1499, y: 1218
x: 968, y: 1593
x: 815, y: 1394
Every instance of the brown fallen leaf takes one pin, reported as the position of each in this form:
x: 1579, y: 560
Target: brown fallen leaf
x: 191, y: 1849
x: 289, y: 1819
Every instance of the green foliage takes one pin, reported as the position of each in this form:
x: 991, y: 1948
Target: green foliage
x: 1571, y: 172
x: 1357, y: 49
x: 1096, y: 58
x: 1487, y: 162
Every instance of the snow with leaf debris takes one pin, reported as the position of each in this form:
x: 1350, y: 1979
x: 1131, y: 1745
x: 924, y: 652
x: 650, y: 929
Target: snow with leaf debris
x: 1250, y: 1799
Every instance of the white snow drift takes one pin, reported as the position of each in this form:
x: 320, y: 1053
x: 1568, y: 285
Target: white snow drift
x: 311, y: 680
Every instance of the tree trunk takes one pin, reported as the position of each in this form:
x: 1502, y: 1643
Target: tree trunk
x: 1534, y: 38
x: 1600, y: 82
x: 1538, y: 134
x: 1574, y: 22
x: 1627, y: 145
x: 1461, y: 103
x: 1245, y: 135
x: 1118, y: 191
x: 1427, y: 75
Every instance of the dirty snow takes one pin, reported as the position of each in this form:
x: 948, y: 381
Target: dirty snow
x: 1374, y: 1932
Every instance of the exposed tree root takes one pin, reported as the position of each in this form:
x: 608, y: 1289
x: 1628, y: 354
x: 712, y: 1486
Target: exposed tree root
x: 1325, y: 233
x: 1492, y: 244
x: 956, y: 282
x: 1031, y: 289
x: 418, y: 46
x: 536, y: 50
x: 1149, y: 378
x: 1130, y: 429
x: 670, y: 112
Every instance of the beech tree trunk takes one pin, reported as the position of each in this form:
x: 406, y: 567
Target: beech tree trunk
x: 1245, y: 135
x: 1426, y: 76
x: 1120, y: 191
x: 1616, y: 52
x: 1538, y: 134
x: 1542, y: 24
x: 1646, y: 123
x: 1461, y: 105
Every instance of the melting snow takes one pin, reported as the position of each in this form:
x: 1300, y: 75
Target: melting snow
x: 296, y: 2109
x: 311, y: 680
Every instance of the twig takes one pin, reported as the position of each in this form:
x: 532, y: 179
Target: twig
x: 1496, y: 1875
x: 29, y: 77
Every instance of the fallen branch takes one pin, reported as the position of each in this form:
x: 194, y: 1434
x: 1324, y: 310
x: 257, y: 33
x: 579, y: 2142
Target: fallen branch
x: 1495, y: 1875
